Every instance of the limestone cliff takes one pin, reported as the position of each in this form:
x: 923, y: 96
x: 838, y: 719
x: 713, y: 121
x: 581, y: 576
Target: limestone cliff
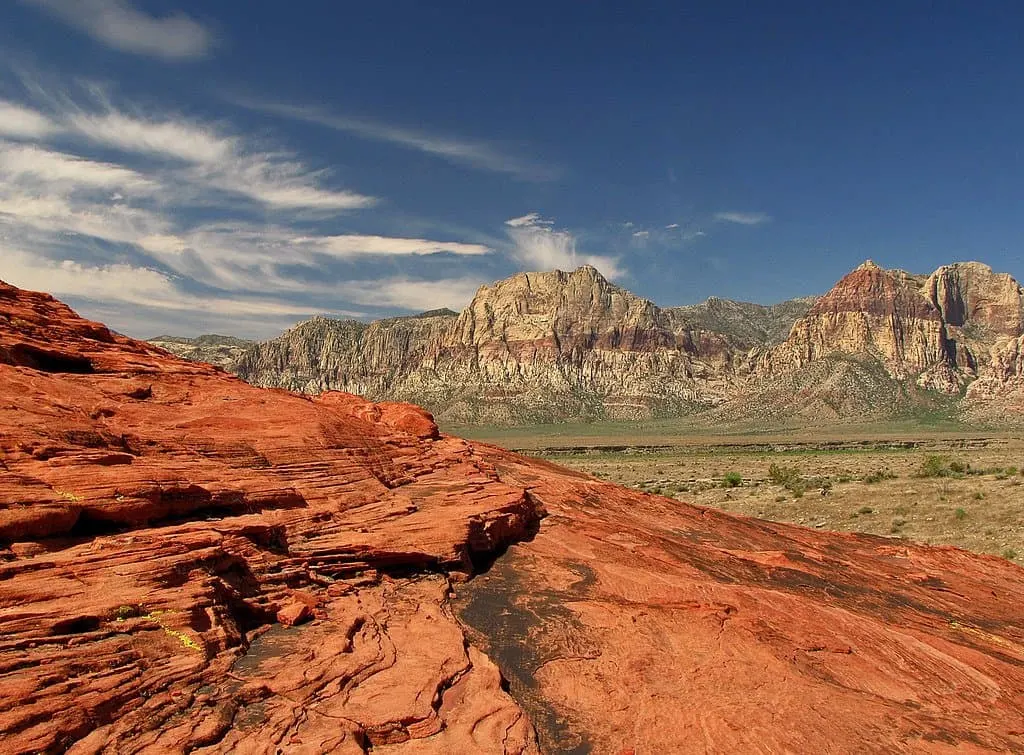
x: 541, y: 347
x: 534, y: 347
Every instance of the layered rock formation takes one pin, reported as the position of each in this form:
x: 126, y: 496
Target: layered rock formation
x: 324, y: 354
x: 192, y: 564
x: 534, y: 347
x: 542, y: 347
x: 940, y: 332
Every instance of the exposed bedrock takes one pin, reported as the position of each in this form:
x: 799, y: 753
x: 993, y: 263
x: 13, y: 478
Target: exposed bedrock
x: 191, y: 564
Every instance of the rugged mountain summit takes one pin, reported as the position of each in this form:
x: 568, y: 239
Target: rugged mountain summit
x: 534, y: 347
x: 322, y: 354
x: 552, y: 346
x: 940, y: 332
x: 192, y: 564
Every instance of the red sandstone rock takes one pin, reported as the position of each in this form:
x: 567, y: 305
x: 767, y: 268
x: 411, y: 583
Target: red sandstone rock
x: 294, y: 613
x: 147, y: 542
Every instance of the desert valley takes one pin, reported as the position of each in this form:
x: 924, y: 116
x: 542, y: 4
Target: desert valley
x: 193, y: 564
x: 521, y: 378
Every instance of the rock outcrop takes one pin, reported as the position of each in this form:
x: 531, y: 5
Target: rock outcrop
x: 941, y: 332
x: 541, y: 347
x: 222, y: 351
x: 192, y: 564
x: 534, y: 347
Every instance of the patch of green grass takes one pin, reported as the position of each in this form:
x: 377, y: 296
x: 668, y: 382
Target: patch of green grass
x: 1009, y: 553
x: 960, y: 514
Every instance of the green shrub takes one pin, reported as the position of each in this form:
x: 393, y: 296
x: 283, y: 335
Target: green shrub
x: 1009, y: 553
x: 732, y: 480
x: 978, y: 495
x: 780, y: 475
x: 933, y: 466
x: 865, y: 510
x: 960, y: 514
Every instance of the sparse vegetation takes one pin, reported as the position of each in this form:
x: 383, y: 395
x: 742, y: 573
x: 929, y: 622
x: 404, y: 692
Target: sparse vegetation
x: 123, y: 613
x: 186, y: 640
x: 960, y: 514
x: 978, y: 495
x: 788, y: 477
x: 67, y: 495
x: 879, y: 475
x: 732, y: 480
x: 772, y: 469
x: 935, y: 466
x: 1009, y: 553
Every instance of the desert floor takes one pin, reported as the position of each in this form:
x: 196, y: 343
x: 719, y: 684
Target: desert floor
x: 964, y: 489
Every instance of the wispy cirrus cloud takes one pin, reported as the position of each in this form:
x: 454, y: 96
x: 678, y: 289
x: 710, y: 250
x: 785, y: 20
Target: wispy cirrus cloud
x: 159, y: 219
x: 743, y: 218
x: 541, y: 246
x: 470, y: 153
x: 120, y: 25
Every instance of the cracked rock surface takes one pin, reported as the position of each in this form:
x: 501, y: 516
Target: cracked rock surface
x: 189, y: 564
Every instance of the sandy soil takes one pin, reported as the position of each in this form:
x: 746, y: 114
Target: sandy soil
x: 964, y: 492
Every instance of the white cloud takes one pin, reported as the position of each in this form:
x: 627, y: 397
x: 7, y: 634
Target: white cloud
x: 353, y: 245
x: 122, y: 26
x: 413, y: 295
x: 278, y: 183
x: 743, y: 218
x: 199, y: 157
x: 20, y: 162
x: 641, y: 234
x: 130, y: 284
x: 17, y: 121
x: 543, y: 247
x: 111, y: 218
x: 528, y: 220
x: 179, y: 139
x: 470, y: 153
x: 671, y: 226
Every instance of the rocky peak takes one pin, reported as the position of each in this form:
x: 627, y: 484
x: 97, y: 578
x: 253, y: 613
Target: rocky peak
x: 970, y: 295
x: 879, y: 292
x: 545, y: 305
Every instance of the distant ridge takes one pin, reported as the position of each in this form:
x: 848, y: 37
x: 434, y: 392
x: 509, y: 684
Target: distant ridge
x: 557, y: 346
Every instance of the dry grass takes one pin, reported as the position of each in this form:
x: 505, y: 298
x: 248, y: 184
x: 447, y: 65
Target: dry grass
x: 963, y: 492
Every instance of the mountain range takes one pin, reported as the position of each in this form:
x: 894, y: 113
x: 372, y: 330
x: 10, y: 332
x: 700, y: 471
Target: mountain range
x: 190, y: 564
x: 555, y: 346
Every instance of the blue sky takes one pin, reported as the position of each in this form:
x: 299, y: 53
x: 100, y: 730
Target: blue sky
x: 236, y: 166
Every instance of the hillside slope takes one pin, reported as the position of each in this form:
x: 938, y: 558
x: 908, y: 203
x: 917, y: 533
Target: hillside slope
x: 192, y: 564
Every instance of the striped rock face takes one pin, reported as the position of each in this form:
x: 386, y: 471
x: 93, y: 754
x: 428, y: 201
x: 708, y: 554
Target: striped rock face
x: 192, y: 564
